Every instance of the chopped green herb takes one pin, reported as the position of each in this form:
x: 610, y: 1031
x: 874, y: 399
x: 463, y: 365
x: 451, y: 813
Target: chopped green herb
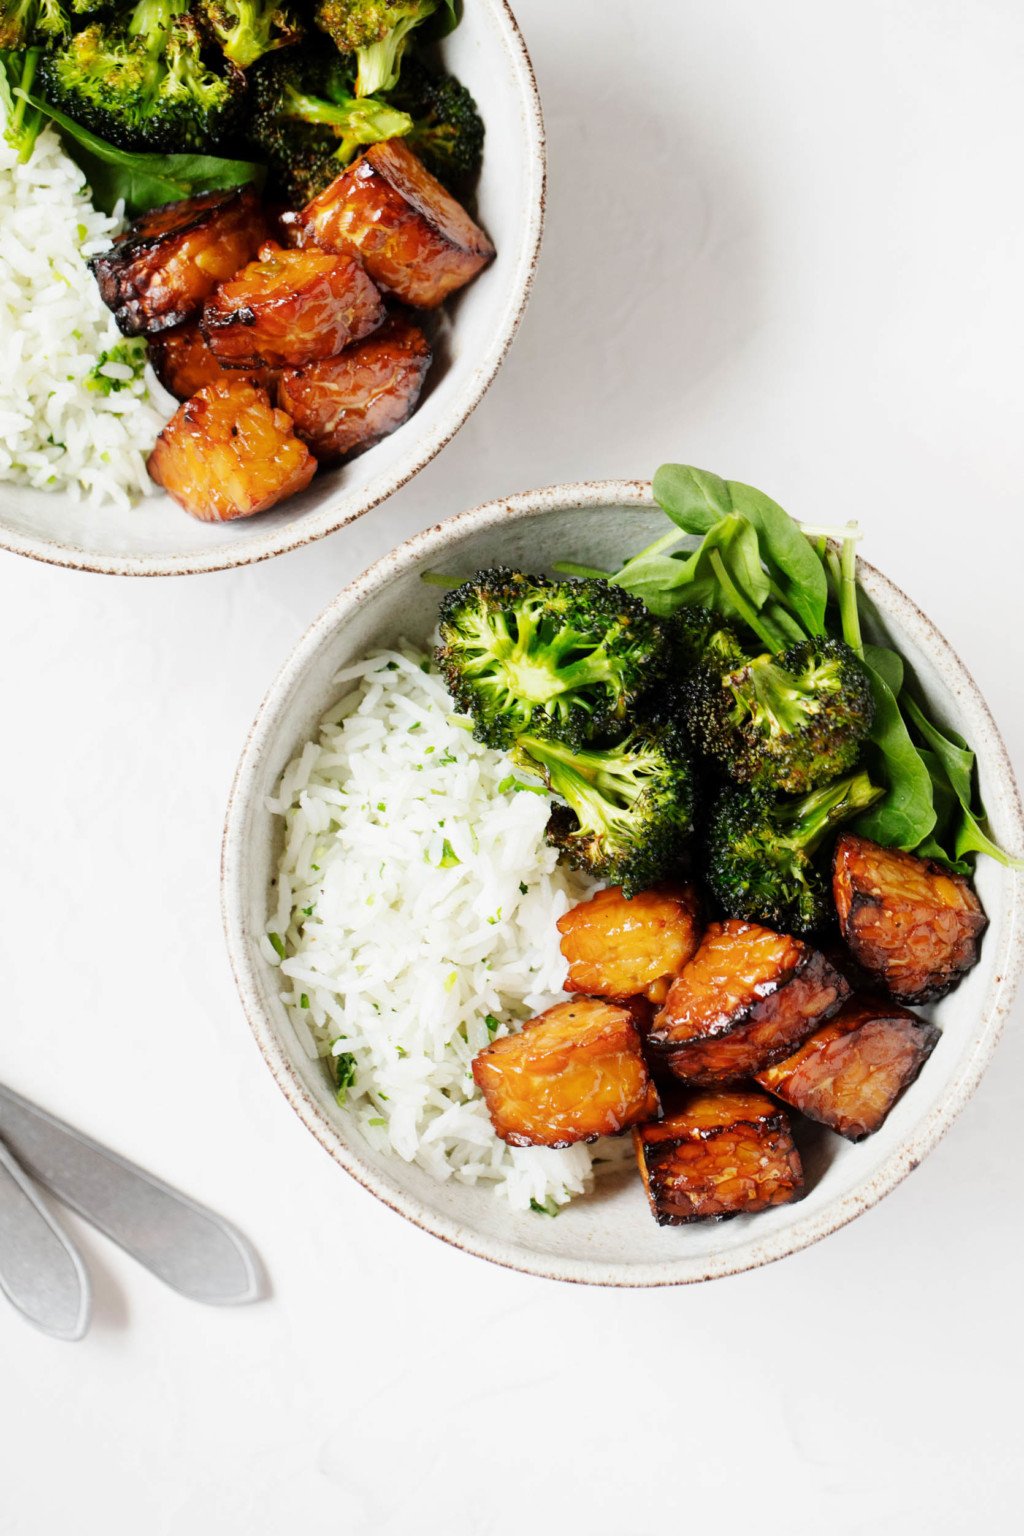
x: 130, y: 353
x: 278, y: 943
x: 549, y: 1208
x: 344, y: 1074
x: 389, y: 666
x: 449, y: 757
x: 308, y: 911
x: 495, y: 919
x: 376, y: 1120
x: 416, y: 726
x: 424, y: 665
x: 493, y: 1024
x: 304, y: 1000
x: 382, y: 805
x: 399, y: 1048
x: 427, y: 751
x: 449, y: 858
x: 510, y: 785
x: 450, y: 980
x: 523, y: 888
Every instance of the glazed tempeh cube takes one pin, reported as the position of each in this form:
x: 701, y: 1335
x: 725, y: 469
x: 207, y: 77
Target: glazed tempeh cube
x: 415, y: 240
x: 572, y: 1074
x: 619, y: 947
x: 228, y: 453
x: 718, y: 1154
x: 850, y: 1073
x: 747, y: 998
x: 161, y: 269
x: 345, y: 404
x: 184, y: 363
x: 909, y: 923
x: 290, y: 307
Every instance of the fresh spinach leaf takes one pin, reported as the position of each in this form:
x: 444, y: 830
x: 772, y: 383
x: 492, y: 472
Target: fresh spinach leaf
x: 143, y: 181
x: 788, y: 554
x: 906, y: 815
x: 955, y: 765
x: 694, y: 499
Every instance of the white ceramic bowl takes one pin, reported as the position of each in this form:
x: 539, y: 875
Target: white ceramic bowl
x: 488, y: 54
x: 608, y: 1238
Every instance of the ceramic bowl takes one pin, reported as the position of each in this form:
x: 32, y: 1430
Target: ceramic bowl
x: 608, y: 1238
x: 476, y: 328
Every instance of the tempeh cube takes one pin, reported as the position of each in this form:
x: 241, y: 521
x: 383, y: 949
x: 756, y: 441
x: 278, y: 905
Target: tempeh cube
x: 228, y: 453
x: 850, y: 1073
x: 415, y: 240
x: 630, y: 947
x: 290, y: 307
x: 161, y: 269
x: 184, y: 363
x: 574, y: 1073
x: 909, y: 923
x: 748, y: 996
x: 345, y: 404
x: 718, y: 1154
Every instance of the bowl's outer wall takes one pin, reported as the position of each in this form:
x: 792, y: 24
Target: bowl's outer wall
x: 476, y: 330
x: 609, y: 1239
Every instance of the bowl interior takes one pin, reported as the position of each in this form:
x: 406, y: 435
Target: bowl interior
x: 608, y: 1237
x: 474, y: 332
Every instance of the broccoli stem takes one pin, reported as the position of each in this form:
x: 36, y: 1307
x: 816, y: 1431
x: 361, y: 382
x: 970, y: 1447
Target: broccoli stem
x: 813, y: 817
x: 25, y: 121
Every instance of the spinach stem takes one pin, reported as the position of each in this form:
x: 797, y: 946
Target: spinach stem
x: 848, y: 609
x: 750, y: 616
x: 438, y: 579
x: 567, y: 568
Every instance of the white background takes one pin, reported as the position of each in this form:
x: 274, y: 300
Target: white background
x: 785, y: 241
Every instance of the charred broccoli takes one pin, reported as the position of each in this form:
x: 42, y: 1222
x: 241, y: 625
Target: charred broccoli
x: 141, y: 82
x: 31, y: 21
x: 761, y: 852
x: 787, y: 722
x: 306, y: 123
x: 629, y: 808
x: 376, y: 32
x: 247, y: 29
x: 566, y: 659
x: 447, y: 130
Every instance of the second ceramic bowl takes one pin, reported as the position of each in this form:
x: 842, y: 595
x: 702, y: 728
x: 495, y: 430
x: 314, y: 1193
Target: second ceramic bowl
x: 608, y: 1238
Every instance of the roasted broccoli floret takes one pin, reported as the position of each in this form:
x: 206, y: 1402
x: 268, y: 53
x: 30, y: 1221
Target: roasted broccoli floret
x: 376, y: 32
x: 567, y: 659
x: 31, y: 21
x: 140, y: 81
x: 629, y: 808
x: 247, y: 29
x: 307, y: 125
x: 447, y: 130
x: 787, y: 722
x: 761, y: 850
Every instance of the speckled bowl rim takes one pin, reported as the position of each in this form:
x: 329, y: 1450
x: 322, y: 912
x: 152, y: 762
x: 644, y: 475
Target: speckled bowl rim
x: 428, y: 547
x: 317, y: 525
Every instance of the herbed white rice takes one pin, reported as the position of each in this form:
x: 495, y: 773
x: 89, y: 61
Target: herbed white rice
x: 415, y: 921
x: 79, y: 407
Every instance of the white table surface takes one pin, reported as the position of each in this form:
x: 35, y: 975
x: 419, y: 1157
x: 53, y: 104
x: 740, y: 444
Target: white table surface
x: 785, y: 242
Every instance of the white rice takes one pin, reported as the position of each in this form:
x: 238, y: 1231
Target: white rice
x: 417, y: 897
x: 71, y: 419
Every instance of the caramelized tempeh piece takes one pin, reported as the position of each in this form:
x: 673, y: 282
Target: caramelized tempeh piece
x: 414, y: 239
x: 718, y: 1155
x: 161, y: 269
x: 291, y: 307
x: 850, y: 1073
x: 347, y: 403
x: 572, y: 1074
x: 228, y: 453
x: 910, y: 924
x: 623, y: 948
x: 746, y: 998
x: 184, y: 363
